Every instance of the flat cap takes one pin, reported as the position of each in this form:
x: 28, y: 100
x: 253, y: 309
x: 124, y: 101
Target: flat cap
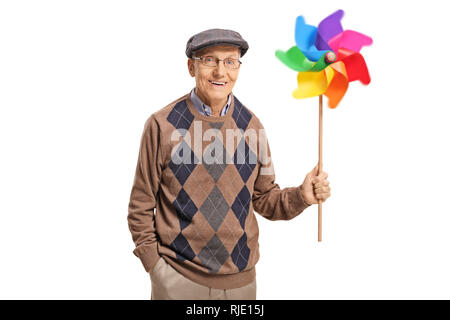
x: 214, y: 37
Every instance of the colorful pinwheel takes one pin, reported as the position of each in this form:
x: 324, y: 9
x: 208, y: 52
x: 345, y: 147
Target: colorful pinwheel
x: 327, y: 58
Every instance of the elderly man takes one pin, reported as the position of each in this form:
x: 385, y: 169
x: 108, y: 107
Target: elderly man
x: 204, y: 165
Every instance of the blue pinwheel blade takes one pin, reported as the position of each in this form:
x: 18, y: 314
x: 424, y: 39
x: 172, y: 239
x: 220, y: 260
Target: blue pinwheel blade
x: 305, y: 39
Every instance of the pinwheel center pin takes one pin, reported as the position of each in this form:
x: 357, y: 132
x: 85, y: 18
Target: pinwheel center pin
x: 330, y: 57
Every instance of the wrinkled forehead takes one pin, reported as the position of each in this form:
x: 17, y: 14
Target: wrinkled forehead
x: 220, y: 50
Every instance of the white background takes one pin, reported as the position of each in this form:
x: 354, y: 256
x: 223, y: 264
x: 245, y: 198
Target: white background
x: 78, y: 79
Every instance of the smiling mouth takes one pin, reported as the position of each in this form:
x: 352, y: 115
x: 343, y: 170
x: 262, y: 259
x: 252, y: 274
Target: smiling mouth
x: 217, y: 83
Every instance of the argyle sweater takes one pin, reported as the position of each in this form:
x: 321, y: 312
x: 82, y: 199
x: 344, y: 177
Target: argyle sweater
x: 198, y: 181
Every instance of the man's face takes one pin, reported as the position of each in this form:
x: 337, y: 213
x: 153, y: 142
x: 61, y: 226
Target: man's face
x: 204, y: 75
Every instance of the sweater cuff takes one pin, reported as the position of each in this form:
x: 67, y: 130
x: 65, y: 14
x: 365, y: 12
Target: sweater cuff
x: 298, y: 204
x: 149, y: 256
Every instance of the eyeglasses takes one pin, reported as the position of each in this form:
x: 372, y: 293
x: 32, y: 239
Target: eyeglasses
x: 211, y: 61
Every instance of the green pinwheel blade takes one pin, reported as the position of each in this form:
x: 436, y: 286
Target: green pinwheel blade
x: 296, y: 60
x: 320, y: 64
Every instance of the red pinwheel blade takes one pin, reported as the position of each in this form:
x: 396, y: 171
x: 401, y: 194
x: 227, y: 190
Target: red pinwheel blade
x: 355, y: 65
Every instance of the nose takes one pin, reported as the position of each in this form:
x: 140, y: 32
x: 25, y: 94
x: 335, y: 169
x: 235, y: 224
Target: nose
x: 219, y: 70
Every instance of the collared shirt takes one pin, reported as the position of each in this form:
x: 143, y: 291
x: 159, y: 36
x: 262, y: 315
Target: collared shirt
x: 205, y: 109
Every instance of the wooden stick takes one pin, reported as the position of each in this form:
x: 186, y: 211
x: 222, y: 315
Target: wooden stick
x: 320, y: 165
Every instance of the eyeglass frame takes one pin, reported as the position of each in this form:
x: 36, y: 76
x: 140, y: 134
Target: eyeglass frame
x: 217, y: 62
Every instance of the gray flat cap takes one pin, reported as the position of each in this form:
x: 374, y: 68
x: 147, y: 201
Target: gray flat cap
x: 214, y: 37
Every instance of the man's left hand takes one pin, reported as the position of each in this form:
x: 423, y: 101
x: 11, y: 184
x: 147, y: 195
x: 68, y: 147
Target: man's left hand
x: 315, y: 187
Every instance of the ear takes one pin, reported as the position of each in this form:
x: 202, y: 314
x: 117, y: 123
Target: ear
x: 191, y: 67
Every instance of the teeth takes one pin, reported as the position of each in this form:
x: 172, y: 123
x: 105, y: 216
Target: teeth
x: 219, y: 83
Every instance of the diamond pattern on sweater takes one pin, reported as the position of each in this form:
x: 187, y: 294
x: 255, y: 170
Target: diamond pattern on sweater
x: 215, y: 208
x: 241, y: 206
x: 186, y: 209
x: 214, y: 254
x: 241, y: 115
x: 241, y: 253
x: 220, y: 161
x: 244, y: 160
x: 216, y: 125
x: 182, y: 164
x: 182, y: 248
x: 180, y: 116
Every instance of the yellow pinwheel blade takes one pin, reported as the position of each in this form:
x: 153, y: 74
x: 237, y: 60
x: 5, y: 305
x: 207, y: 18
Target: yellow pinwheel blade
x: 310, y: 84
x: 329, y: 72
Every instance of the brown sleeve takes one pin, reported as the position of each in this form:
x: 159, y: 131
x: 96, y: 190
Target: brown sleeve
x: 144, y: 194
x: 268, y: 199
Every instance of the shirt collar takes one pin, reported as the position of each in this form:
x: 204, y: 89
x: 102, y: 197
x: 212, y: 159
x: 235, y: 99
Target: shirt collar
x: 205, y: 109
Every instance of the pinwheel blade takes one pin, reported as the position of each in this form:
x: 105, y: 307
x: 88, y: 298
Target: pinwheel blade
x: 296, y: 60
x: 351, y: 40
x: 355, y: 66
x: 328, y: 28
x: 305, y: 38
x: 310, y: 84
x: 338, y: 83
x: 321, y: 64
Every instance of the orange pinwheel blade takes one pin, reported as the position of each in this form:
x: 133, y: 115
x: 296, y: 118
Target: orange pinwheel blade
x: 338, y: 85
